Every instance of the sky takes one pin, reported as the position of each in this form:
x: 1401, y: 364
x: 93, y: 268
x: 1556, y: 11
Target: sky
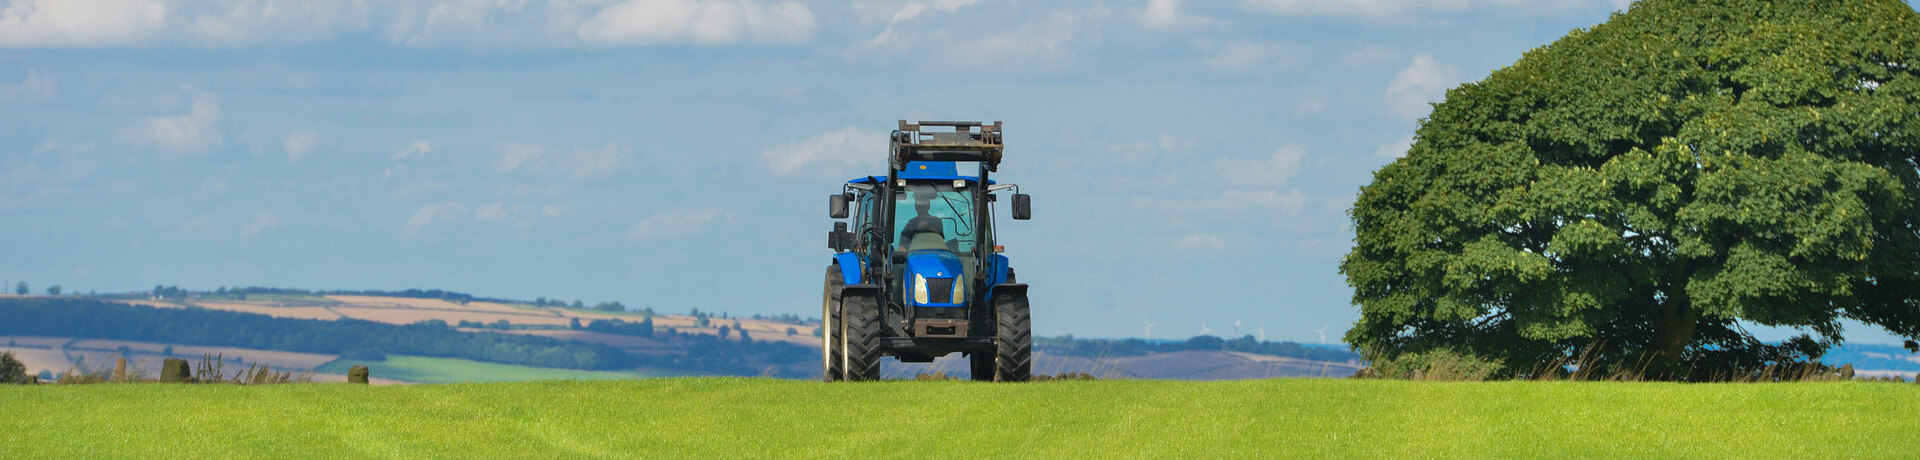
x: 1191, y: 163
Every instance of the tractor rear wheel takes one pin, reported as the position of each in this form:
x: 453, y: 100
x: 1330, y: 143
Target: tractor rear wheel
x: 830, y: 359
x: 1013, y: 340
x: 860, y: 337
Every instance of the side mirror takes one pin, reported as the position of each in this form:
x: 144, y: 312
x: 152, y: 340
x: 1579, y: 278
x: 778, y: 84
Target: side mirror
x: 1022, y: 206
x: 837, y: 206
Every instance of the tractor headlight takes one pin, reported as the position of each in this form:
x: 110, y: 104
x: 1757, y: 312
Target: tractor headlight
x: 959, y: 295
x: 919, y: 289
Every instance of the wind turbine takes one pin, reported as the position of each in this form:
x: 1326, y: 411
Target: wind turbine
x: 1323, y: 332
x: 1263, y: 331
x: 1236, y: 328
x: 1204, y: 330
x: 1149, y: 333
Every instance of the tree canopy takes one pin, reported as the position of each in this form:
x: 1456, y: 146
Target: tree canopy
x: 1635, y: 192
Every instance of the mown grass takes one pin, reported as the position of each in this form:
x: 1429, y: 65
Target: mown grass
x: 448, y: 370
x: 753, y: 418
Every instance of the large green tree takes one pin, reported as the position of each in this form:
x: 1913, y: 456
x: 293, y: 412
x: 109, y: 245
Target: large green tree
x: 1634, y: 192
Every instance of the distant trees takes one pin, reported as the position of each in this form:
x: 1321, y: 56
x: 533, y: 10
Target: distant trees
x: 1070, y: 346
x: 724, y: 330
x: 80, y: 317
x: 644, y: 328
x: 53, y: 290
x: 792, y: 331
x: 573, y: 323
x: 21, y: 288
x: 169, y: 292
x: 787, y: 318
x: 610, y: 306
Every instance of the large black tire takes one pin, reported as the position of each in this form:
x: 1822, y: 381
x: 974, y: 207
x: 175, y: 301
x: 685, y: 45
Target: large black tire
x: 860, y: 339
x: 830, y: 360
x: 1013, y: 340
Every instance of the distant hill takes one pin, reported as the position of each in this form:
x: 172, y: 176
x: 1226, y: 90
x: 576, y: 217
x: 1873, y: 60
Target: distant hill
x: 640, y: 343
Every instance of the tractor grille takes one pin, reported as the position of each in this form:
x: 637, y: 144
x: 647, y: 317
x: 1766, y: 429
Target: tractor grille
x: 939, y: 290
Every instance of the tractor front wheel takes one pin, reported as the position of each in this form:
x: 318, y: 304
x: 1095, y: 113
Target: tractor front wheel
x: 1013, y: 340
x: 860, y: 339
x: 830, y: 352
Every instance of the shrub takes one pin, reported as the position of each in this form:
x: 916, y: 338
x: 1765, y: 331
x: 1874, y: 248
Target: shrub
x: 173, y: 370
x: 1438, y: 364
x: 12, y: 370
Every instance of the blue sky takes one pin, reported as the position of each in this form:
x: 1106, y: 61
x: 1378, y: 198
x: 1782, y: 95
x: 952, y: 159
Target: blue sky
x: 1191, y: 162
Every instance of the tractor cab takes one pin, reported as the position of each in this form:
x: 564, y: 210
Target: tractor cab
x: 937, y: 234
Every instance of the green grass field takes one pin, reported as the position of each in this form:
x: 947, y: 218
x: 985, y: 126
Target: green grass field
x: 753, y: 418
x: 447, y: 370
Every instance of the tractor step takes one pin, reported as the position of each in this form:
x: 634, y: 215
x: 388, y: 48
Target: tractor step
x: 934, y: 345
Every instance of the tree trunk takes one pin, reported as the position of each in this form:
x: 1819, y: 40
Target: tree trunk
x: 1673, y: 327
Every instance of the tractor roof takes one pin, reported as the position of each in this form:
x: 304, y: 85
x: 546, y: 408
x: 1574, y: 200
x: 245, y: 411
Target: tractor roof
x: 918, y: 170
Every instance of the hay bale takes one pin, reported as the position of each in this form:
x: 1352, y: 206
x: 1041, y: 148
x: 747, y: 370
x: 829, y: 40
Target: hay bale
x: 358, y: 374
x: 174, y: 370
x: 1846, y: 371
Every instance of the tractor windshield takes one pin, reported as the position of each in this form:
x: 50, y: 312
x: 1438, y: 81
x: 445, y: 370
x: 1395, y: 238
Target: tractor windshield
x: 934, y: 209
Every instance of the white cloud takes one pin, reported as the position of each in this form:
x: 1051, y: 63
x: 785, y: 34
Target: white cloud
x: 897, y: 13
x: 299, y: 144
x: 588, y: 162
x: 1313, y: 105
x: 1166, y: 15
x: 1396, y: 149
x: 1042, y: 42
x: 675, y: 224
x: 494, y: 212
x: 1423, y: 81
x: 1386, y: 8
x: 581, y: 163
x: 516, y: 154
x: 477, y: 24
x: 69, y: 23
x: 53, y: 168
x: 1272, y: 171
x: 1160, y: 14
x: 1367, y: 55
x: 1011, y: 39
x: 260, y: 223
x: 188, y: 132
x: 1232, y: 203
x: 35, y: 87
x: 256, y: 22
x: 429, y: 213
x: 418, y: 148
x: 1208, y: 242
x: 648, y: 22
x: 1243, y: 55
x: 832, y: 153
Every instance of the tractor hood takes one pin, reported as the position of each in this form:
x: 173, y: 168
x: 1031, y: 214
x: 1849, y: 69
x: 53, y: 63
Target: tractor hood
x: 933, y: 263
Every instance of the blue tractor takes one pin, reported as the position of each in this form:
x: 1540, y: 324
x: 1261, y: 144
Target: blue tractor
x: 919, y: 275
